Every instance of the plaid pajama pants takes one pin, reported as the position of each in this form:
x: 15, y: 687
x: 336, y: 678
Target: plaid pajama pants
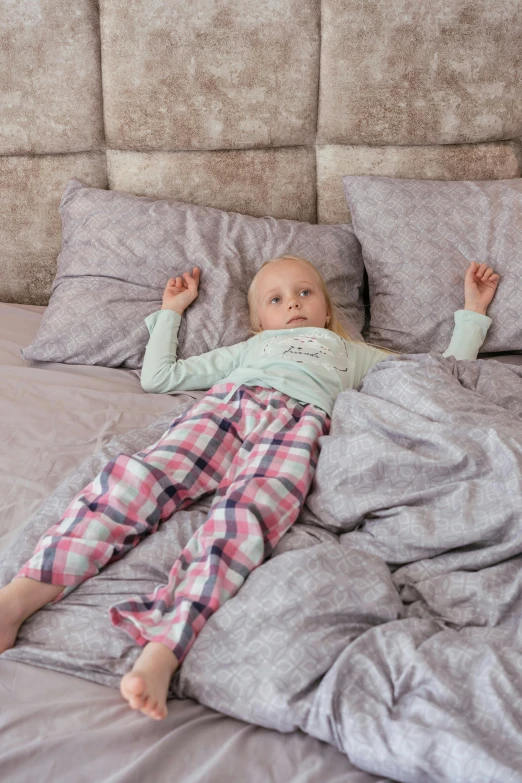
x: 256, y: 449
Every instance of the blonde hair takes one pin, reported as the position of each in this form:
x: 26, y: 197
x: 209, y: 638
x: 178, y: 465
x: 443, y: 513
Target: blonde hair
x: 334, y: 324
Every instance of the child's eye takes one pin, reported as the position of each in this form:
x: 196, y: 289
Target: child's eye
x: 275, y: 299
x: 305, y: 292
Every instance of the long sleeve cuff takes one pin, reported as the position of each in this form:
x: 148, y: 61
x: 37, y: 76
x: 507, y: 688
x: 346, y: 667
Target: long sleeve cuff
x: 468, y: 335
x: 168, y: 316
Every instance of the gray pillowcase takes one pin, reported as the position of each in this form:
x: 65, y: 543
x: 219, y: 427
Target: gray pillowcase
x: 118, y: 251
x: 418, y: 237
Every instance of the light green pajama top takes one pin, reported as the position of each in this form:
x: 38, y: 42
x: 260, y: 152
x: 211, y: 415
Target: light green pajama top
x: 310, y: 364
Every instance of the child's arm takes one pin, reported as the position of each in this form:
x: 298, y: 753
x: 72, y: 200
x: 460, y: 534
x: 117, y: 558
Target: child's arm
x: 472, y: 323
x: 162, y: 372
x: 364, y: 357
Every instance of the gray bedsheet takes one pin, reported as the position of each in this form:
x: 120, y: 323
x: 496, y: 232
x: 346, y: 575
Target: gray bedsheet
x: 387, y: 622
x: 58, y: 728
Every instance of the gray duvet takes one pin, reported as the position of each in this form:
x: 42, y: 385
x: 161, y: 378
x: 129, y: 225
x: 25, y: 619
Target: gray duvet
x: 387, y: 621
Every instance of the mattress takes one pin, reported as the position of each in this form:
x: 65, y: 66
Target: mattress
x: 58, y: 728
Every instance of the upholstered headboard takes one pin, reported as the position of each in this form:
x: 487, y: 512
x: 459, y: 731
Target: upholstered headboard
x: 254, y: 106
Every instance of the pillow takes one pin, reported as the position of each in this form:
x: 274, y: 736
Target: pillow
x: 418, y: 237
x: 118, y: 251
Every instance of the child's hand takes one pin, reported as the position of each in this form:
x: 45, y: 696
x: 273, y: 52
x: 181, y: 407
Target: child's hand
x: 181, y: 291
x: 480, y: 285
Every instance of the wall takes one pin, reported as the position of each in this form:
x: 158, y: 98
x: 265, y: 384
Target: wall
x: 256, y: 106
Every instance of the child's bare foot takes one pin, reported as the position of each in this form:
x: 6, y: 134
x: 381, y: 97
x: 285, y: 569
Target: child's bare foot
x: 18, y: 601
x: 146, y: 686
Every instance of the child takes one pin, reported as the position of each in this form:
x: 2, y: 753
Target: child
x: 252, y: 440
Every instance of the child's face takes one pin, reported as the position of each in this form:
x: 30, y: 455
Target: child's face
x: 288, y: 295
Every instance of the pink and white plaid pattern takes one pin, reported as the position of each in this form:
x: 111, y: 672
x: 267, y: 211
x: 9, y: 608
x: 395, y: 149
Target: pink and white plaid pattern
x: 256, y: 451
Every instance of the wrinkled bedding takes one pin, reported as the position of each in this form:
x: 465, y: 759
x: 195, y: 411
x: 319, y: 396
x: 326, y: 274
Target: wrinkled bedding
x: 59, y: 728
x: 387, y: 622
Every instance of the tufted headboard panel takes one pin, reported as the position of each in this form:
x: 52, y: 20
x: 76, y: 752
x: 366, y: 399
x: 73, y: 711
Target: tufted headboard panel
x: 254, y: 106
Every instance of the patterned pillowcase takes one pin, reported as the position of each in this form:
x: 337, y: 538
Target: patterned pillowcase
x: 118, y: 251
x: 418, y: 237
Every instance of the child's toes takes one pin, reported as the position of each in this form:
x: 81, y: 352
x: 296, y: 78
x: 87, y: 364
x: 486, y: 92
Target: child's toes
x: 158, y: 712
x: 148, y: 708
x: 154, y: 709
x: 138, y: 702
x: 161, y: 711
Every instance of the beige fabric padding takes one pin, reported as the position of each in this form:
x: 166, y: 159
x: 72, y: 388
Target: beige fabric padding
x: 406, y: 72
x: 501, y: 160
x: 277, y: 182
x: 207, y: 75
x: 50, y: 77
x: 30, y: 225
x: 258, y: 108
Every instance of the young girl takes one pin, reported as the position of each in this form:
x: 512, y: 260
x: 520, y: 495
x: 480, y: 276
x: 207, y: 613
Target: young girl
x: 252, y: 440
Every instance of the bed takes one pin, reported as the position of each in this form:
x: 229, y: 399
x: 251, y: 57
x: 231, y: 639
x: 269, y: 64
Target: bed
x: 381, y: 642
x: 64, y: 728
